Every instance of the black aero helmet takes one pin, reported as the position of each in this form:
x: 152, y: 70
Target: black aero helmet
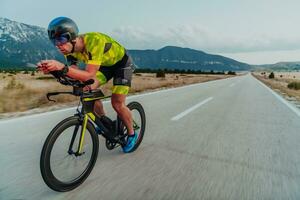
x: 62, y: 27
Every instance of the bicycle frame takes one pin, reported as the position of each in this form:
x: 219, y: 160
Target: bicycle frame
x: 87, y: 113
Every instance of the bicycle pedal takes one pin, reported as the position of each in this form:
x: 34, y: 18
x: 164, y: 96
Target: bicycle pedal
x: 118, y: 137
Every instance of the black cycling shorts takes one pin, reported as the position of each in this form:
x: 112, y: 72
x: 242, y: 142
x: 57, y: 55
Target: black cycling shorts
x: 121, y: 72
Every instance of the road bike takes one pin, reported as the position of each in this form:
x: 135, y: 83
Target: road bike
x: 71, y: 149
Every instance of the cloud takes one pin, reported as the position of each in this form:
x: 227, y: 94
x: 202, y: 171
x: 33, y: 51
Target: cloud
x: 197, y: 37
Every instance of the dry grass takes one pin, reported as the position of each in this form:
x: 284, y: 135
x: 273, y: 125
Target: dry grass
x: 150, y: 82
x: 20, y: 95
x: 23, y: 92
x: 280, y: 82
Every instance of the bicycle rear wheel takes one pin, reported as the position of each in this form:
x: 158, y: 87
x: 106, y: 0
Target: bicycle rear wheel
x: 139, y: 122
x: 61, y: 168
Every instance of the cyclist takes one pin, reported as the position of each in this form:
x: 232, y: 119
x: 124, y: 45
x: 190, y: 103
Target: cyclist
x: 104, y: 58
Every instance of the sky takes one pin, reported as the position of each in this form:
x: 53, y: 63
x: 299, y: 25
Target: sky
x: 251, y: 31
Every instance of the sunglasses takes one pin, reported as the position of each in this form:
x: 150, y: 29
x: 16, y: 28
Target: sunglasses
x: 62, y: 39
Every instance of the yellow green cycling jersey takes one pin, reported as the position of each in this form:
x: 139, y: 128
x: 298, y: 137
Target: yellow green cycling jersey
x: 100, y: 49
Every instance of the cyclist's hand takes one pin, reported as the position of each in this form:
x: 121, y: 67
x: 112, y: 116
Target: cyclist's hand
x: 53, y: 65
x: 41, y: 67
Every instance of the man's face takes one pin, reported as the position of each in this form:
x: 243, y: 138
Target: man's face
x: 65, y: 48
x: 63, y: 43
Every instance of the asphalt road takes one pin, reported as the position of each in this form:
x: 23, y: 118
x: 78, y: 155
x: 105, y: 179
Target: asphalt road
x: 225, y: 139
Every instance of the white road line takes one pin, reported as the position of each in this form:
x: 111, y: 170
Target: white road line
x: 179, y: 116
x: 289, y: 105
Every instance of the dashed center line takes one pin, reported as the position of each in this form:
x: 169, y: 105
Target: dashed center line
x: 179, y: 116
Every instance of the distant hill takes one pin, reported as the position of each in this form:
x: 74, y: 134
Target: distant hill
x: 24, y: 45
x: 280, y: 66
x: 172, y: 57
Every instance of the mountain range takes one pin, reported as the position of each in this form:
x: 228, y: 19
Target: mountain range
x: 23, y: 45
x: 172, y: 57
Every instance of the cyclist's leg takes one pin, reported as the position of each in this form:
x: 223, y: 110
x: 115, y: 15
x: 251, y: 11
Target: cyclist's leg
x: 122, y: 83
x: 118, y: 103
x: 103, y: 76
x: 98, y: 108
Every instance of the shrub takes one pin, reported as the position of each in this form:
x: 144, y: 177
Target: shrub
x: 160, y: 74
x: 45, y: 78
x: 294, y: 85
x: 12, y: 72
x: 271, y: 75
x: 231, y: 73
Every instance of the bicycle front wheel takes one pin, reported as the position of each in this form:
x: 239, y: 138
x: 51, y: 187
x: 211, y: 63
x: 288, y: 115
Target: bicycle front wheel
x: 63, y: 167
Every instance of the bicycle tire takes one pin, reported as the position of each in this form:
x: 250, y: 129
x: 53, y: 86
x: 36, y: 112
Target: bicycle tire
x: 45, y: 168
x: 137, y: 106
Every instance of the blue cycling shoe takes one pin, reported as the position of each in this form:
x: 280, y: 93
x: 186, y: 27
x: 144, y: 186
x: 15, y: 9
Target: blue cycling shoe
x: 131, y: 141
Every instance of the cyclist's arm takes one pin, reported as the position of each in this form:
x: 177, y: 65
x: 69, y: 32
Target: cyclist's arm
x: 83, y: 75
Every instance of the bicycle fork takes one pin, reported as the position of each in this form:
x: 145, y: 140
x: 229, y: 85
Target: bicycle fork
x: 81, y: 139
